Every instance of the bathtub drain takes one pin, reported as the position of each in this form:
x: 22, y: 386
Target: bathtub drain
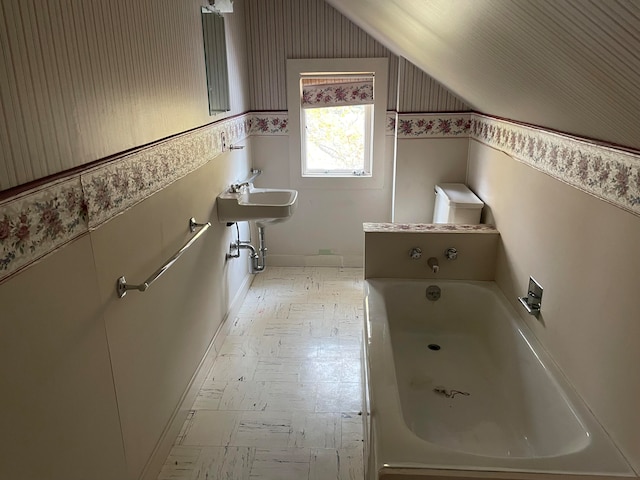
x: 433, y: 293
x: 433, y: 346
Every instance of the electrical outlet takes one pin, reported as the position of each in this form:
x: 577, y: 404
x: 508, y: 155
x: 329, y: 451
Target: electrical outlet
x: 223, y: 141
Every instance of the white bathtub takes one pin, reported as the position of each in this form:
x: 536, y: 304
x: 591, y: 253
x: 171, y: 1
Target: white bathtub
x: 488, y: 403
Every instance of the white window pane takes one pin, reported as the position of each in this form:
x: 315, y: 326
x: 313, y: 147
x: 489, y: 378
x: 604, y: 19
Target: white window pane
x: 336, y: 139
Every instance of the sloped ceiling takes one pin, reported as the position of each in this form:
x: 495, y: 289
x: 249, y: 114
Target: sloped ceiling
x: 567, y: 65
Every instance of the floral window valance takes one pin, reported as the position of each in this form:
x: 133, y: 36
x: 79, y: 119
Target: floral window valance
x: 331, y: 92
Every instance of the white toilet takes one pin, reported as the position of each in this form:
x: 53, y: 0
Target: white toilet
x: 455, y: 203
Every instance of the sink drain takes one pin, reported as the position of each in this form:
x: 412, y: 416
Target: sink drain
x: 433, y: 346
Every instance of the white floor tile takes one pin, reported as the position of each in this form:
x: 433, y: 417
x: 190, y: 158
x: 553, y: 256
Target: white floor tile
x: 321, y: 371
x: 209, y: 396
x: 290, y: 397
x: 282, y: 398
x: 181, y: 464
x: 298, y: 347
x: 263, y: 429
x: 248, y: 326
x: 212, y: 428
x: 281, y: 464
x: 320, y: 430
x: 339, y: 397
x: 339, y: 464
x: 351, y: 430
x: 226, y: 462
x: 243, y: 396
x: 232, y: 369
x: 278, y: 370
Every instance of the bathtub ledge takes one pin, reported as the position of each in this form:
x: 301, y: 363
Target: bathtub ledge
x: 427, y: 227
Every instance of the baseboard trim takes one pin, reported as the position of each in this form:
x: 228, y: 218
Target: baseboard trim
x: 173, y: 427
x: 275, y: 260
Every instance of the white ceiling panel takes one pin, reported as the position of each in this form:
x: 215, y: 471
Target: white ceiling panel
x: 568, y: 65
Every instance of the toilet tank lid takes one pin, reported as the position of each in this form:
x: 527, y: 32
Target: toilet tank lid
x: 459, y: 195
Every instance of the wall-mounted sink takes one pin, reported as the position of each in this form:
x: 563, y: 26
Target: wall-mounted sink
x: 265, y: 206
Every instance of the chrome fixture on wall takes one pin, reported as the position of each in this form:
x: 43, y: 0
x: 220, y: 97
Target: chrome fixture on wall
x: 433, y: 264
x: 236, y: 187
x: 415, y: 253
x: 533, y: 301
x: 258, y: 256
x: 451, y: 253
x: 121, y: 284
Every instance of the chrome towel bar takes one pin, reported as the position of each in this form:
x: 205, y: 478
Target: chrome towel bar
x: 121, y: 283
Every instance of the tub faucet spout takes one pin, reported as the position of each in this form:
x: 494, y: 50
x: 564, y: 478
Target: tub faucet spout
x: 433, y: 264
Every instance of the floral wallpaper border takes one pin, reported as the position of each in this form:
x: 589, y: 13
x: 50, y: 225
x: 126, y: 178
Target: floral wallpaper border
x: 433, y: 125
x: 269, y: 123
x: 277, y: 123
x: 113, y: 188
x: 35, y: 224
x: 425, y: 125
x: 610, y: 174
x: 38, y: 222
x: 426, y: 227
x: 352, y: 93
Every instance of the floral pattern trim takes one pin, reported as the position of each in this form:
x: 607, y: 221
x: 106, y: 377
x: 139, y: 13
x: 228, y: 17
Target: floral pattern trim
x: 269, y: 124
x: 331, y: 95
x: 37, y: 223
x: 390, y: 124
x: 437, y: 125
x: 113, y: 188
x: 604, y: 172
x: 427, y: 227
x: 40, y: 222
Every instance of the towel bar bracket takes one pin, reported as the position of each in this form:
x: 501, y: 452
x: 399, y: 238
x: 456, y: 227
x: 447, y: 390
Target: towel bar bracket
x: 193, y: 224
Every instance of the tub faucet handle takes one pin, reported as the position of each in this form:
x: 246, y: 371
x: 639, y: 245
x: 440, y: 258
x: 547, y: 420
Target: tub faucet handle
x: 415, y: 253
x: 433, y: 264
x: 451, y: 253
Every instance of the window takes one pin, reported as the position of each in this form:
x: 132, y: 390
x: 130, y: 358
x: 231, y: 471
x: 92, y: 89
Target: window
x: 337, y: 122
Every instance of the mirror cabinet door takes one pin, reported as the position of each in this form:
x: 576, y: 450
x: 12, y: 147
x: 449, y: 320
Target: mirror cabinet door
x: 215, y: 58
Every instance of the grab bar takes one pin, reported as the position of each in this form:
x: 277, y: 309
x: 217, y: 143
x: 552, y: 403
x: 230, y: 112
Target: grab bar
x: 121, y: 284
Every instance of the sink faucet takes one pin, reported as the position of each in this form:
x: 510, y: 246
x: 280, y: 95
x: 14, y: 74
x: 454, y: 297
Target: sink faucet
x: 236, y: 187
x: 433, y: 264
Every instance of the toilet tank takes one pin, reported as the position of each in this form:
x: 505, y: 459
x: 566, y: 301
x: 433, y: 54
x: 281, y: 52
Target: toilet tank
x: 455, y: 203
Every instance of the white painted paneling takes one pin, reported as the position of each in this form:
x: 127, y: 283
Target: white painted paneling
x: 282, y: 29
x: 568, y: 65
x: 421, y: 93
x: 80, y: 81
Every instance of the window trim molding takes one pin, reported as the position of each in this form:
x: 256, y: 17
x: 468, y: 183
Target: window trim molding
x: 295, y: 67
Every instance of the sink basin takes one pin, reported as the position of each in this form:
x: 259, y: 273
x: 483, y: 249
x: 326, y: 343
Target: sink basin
x: 265, y: 206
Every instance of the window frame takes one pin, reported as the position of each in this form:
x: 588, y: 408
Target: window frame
x: 336, y: 66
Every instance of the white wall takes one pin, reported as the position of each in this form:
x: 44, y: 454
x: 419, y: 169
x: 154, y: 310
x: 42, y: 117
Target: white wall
x: 326, y: 219
x: 421, y: 164
x: 92, y: 384
x: 584, y: 253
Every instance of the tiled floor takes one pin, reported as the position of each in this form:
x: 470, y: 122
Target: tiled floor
x: 283, y: 398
